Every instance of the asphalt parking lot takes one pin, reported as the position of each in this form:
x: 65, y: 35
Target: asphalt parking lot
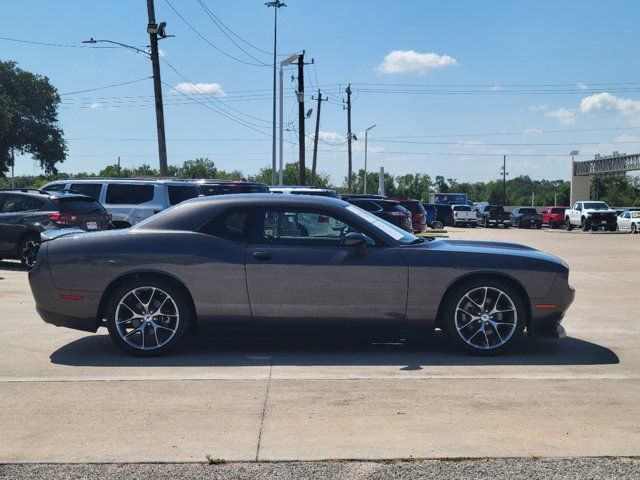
x: 68, y: 396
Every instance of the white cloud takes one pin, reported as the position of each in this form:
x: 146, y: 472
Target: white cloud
x: 409, y: 61
x: 162, y: 53
x: 582, y: 86
x: 609, y: 103
x: 563, y: 115
x: 95, y: 105
x: 202, y: 88
x: 334, y: 138
x: 496, y: 88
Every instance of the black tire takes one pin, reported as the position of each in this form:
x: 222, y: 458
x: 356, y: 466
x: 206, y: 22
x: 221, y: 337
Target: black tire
x: 613, y: 228
x: 552, y: 224
x: 486, y: 223
x: 585, y: 225
x: 28, y: 250
x: 452, y: 315
x: 506, y: 224
x: 518, y: 224
x: 568, y: 225
x: 176, y: 316
x: 633, y: 229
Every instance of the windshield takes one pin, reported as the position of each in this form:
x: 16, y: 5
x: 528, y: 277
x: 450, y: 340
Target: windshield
x: 635, y: 214
x: 528, y: 210
x: 399, y: 235
x: 461, y: 208
x: 596, y: 206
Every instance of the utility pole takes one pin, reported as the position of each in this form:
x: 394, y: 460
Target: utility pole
x: 504, y: 180
x: 285, y: 63
x: 315, y: 139
x: 13, y: 165
x: 276, y: 5
x: 366, y: 148
x: 301, y: 135
x: 119, y: 169
x: 349, y: 174
x: 154, y: 29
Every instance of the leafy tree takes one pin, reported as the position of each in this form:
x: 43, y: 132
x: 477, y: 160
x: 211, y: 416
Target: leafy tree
x: 412, y: 185
x: 29, y: 119
x: 198, y: 168
x: 373, y: 182
x: 291, y: 175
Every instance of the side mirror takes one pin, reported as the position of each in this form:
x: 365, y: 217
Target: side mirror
x: 357, y: 240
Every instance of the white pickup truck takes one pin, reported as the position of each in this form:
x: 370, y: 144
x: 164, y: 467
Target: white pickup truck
x: 464, y: 215
x: 591, y: 216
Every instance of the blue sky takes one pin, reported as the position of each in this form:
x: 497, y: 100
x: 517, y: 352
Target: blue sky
x: 451, y: 85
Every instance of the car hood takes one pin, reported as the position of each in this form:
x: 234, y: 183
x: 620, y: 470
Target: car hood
x: 593, y: 210
x: 490, y: 248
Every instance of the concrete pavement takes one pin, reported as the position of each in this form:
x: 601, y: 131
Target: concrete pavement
x: 68, y: 396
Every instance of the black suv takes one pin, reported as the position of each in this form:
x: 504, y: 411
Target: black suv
x: 389, y: 210
x: 24, y: 214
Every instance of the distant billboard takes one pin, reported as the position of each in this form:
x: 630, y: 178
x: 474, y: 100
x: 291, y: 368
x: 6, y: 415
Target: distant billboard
x: 448, y: 198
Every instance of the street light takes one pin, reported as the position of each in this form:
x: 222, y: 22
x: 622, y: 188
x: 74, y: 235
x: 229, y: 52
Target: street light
x: 285, y: 63
x: 139, y: 50
x: 366, y: 138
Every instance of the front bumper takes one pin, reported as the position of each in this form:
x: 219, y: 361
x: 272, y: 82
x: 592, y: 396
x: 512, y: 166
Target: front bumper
x: 547, y: 313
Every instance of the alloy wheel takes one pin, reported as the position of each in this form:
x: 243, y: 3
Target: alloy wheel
x: 486, y: 318
x: 147, y: 318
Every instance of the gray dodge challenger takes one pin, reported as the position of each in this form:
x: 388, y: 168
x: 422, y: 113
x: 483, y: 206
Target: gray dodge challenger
x: 262, y: 260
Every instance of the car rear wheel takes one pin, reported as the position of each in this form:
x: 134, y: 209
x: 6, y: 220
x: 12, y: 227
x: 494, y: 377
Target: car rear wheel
x: 485, y: 317
x: 28, y: 250
x: 148, y: 317
x: 634, y: 229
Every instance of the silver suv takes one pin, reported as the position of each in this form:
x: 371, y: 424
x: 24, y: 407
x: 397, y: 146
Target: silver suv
x: 129, y: 201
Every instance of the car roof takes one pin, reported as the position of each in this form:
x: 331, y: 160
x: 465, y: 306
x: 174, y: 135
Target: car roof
x: 267, y: 199
x: 149, y: 181
x: 42, y: 194
x: 300, y: 187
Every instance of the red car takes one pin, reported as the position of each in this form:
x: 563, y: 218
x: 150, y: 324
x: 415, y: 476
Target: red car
x: 418, y: 214
x: 553, y: 216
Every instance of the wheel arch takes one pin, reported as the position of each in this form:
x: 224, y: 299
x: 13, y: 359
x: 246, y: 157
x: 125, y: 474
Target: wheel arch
x: 485, y: 275
x: 145, y: 274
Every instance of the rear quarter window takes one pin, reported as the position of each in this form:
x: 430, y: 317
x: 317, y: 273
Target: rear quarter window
x: 89, y: 189
x: 129, y: 194
x: 78, y: 206
x: 180, y: 193
x: 229, y: 225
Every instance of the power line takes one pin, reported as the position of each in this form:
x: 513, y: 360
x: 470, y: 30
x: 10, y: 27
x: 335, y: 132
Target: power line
x: 462, y: 144
x: 107, y: 86
x: 33, y: 42
x: 209, y: 42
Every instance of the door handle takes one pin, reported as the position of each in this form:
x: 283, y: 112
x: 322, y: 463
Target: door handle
x: 263, y: 255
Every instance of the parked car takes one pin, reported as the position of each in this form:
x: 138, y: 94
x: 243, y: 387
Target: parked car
x: 444, y: 214
x: 591, y: 216
x: 305, y: 190
x: 244, y: 260
x: 553, y: 216
x: 629, y: 221
x: 491, y: 215
x: 432, y: 216
x: 464, y: 215
x: 129, y: 201
x: 25, y: 214
x: 389, y: 210
x: 418, y: 213
x: 226, y: 187
x: 526, y: 217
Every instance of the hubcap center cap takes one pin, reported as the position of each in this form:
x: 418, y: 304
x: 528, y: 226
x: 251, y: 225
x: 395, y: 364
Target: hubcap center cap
x: 147, y: 317
x: 484, y: 317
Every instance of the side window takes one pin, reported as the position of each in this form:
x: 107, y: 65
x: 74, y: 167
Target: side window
x: 12, y: 204
x: 56, y: 187
x: 132, y: 194
x: 292, y: 227
x: 89, y: 189
x: 368, y: 206
x: 577, y: 206
x: 180, y: 193
x: 230, y: 225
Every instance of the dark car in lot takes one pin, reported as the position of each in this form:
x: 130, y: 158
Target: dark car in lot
x: 493, y: 215
x: 418, y: 213
x: 389, y: 210
x: 263, y: 260
x: 25, y: 214
x: 226, y: 187
x: 525, y: 217
x: 444, y: 214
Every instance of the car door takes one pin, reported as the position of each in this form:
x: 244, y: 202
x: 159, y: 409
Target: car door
x: 12, y: 221
x: 624, y: 221
x: 300, y: 275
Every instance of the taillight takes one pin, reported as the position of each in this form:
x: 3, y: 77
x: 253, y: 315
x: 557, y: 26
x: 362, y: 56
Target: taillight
x: 61, y: 218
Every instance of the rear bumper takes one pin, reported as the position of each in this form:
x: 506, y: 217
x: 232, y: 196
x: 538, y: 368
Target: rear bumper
x: 60, y: 320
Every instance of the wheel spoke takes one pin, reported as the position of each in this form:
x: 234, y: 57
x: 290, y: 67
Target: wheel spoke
x: 164, y: 328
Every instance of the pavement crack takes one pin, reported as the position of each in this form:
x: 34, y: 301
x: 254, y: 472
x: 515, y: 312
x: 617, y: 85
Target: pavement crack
x: 264, y: 410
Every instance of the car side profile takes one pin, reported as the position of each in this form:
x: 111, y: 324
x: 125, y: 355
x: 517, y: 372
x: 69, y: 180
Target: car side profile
x: 129, y: 201
x: 629, y: 222
x: 553, y: 216
x: 25, y: 214
x: 263, y: 260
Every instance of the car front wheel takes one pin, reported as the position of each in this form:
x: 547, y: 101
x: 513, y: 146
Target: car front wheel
x: 148, y: 317
x: 485, y: 317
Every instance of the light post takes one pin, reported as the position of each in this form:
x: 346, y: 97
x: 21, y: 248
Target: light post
x: 285, y: 63
x: 366, y: 138
x: 277, y: 4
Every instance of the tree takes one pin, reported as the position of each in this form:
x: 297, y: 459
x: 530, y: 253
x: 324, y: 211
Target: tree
x: 198, y: 168
x: 291, y: 174
x: 29, y: 119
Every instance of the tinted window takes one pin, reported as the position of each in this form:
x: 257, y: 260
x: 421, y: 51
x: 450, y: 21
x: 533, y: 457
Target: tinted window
x: 462, y: 208
x: 390, y: 206
x: 557, y: 210
x: 528, y: 210
x: 78, y: 205
x: 229, y: 225
x: 317, y: 193
x: 233, y: 188
x: 367, y: 205
x: 89, y: 189
x: 119, y: 194
x: 414, y: 207
x: 496, y: 209
x: 20, y: 203
x: 443, y: 209
x: 180, y: 193
x: 56, y: 187
x: 596, y: 206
